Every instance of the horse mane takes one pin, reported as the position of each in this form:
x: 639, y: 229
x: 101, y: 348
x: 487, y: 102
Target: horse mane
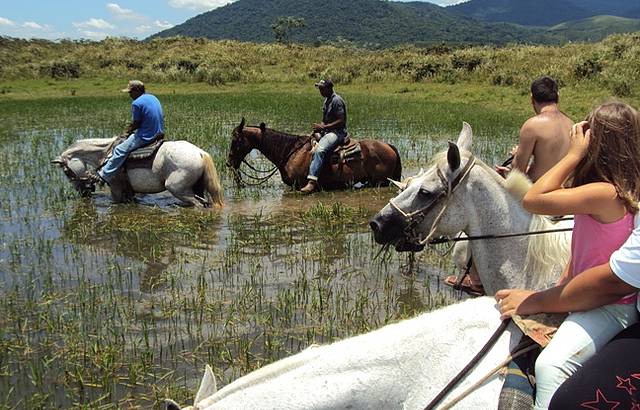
x: 545, y: 251
x: 101, y: 142
x: 282, y: 142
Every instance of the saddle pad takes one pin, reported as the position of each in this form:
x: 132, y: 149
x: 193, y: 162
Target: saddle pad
x: 146, y: 151
x: 346, y: 153
x: 540, y: 327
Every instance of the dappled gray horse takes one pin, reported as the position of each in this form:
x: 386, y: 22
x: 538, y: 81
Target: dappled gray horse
x: 405, y: 365
x: 179, y: 167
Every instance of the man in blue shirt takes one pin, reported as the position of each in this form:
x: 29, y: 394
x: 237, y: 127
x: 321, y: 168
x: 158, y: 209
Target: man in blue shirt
x: 147, y: 122
x: 333, y: 129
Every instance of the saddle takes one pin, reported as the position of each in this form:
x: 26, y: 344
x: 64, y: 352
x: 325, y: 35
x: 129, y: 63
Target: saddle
x: 141, y: 157
x: 348, y: 150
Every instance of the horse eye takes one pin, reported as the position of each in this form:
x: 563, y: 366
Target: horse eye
x: 424, y: 191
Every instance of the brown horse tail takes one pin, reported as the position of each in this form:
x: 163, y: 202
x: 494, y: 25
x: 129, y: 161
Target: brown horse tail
x: 211, y: 180
x: 397, y: 172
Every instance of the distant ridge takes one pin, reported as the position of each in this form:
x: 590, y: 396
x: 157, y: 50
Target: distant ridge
x: 372, y: 22
x: 377, y: 23
x: 544, y: 12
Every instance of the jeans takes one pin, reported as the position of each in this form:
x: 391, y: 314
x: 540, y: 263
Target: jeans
x: 119, y: 156
x: 580, y: 336
x: 326, y: 145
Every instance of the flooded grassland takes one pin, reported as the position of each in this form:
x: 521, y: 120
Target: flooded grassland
x: 106, y: 305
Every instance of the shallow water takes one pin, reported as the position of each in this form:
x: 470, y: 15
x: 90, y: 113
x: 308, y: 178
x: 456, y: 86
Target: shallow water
x: 122, y: 305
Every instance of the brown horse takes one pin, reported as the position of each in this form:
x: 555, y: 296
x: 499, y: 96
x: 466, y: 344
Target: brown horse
x: 291, y: 154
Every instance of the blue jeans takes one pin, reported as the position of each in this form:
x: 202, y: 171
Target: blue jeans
x: 326, y: 145
x: 119, y: 156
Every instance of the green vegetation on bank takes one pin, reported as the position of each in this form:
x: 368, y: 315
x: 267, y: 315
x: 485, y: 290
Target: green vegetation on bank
x: 611, y: 65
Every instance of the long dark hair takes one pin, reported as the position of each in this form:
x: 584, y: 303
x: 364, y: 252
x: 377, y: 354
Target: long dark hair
x: 613, y: 155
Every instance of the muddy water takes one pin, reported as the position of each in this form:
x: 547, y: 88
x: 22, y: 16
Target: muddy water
x: 103, y: 302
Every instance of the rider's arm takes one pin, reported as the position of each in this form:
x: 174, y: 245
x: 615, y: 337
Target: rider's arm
x: 136, y: 119
x: 595, y: 287
x: 336, y: 124
x: 548, y: 197
x: 132, y: 127
x: 524, y: 150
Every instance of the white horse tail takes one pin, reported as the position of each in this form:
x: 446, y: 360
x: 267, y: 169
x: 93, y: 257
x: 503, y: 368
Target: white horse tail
x: 211, y: 180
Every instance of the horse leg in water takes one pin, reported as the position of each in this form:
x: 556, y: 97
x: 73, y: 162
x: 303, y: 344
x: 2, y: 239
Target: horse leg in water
x: 180, y: 184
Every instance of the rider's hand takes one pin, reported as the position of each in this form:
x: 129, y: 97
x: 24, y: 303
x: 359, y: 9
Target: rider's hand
x: 318, y: 126
x: 515, y: 302
x: 579, y: 140
x: 503, y: 171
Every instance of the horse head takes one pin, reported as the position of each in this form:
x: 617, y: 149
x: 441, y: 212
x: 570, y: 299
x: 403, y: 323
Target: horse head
x: 426, y: 204
x: 241, y: 144
x: 76, y: 171
x: 79, y: 158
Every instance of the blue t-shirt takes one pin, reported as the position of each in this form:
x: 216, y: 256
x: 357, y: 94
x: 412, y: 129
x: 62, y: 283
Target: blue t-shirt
x: 148, y: 111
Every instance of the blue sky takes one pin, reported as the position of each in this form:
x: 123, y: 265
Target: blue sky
x: 95, y: 20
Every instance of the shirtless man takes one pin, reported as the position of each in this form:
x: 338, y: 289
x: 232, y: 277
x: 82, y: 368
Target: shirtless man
x: 545, y: 137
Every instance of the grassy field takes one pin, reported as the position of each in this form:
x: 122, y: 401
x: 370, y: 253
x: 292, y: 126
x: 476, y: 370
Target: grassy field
x: 120, y: 306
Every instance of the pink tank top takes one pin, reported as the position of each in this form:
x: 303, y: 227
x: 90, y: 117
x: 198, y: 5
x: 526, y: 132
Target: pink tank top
x: 592, y: 244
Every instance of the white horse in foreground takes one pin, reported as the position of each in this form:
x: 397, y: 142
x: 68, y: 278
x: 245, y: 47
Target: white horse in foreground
x: 405, y: 365
x: 179, y: 167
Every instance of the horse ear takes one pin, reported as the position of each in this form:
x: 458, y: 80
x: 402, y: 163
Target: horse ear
x: 400, y: 185
x: 207, y: 386
x: 263, y: 126
x: 453, y: 156
x: 241, y: 126
x: 466, y: 137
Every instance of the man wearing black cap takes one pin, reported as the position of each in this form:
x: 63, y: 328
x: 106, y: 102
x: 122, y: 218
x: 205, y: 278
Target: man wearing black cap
x: 146, y: 125
x: 333, y: 129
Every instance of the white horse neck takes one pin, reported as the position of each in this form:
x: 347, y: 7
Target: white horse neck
x: 90, y: 150
x: 493, y: 206
x: 403, y: 365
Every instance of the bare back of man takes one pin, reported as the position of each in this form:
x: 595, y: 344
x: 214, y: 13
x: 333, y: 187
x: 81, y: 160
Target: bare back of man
x: 545, y: 137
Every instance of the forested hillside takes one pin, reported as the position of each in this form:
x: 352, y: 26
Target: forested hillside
x: 544, y: 12
x: 365, y: 22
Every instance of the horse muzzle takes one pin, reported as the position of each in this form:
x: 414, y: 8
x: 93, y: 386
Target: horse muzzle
x: 391, y: 229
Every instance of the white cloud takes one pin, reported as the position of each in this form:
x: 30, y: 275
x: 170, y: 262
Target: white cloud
x: 32, y: 25
x: 162, y: 24
x: 94, y: 23
x: 6, y: 22
x: 94, y: 35
x: 198, y: 4
x: 142, y: 29
x: 119, y: 12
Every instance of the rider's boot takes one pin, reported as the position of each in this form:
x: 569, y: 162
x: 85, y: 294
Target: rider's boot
x: 95, y: 178
x: 311, y: 187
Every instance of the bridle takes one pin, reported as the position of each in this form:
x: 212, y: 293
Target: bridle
x: 74, y: 178
x: 413, y: 219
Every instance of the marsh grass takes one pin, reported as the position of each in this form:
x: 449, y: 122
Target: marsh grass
x: 120, y: 306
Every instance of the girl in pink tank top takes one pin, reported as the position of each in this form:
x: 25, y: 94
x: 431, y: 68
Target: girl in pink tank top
x: 604, y: 165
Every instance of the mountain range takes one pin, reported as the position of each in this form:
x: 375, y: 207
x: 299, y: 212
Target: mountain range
x: 544, y: 12
x: 378, y: 23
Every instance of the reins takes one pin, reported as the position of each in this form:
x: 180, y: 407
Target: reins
x: 238, y: 173
x: 462, y: 373
x: 260, y: 179
x: 440, y: 240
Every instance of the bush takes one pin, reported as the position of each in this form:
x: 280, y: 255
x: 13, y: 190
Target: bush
x: 465, y: 62
x: 61, y: 70
x: 426, y: 70
x: 587, y: 68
